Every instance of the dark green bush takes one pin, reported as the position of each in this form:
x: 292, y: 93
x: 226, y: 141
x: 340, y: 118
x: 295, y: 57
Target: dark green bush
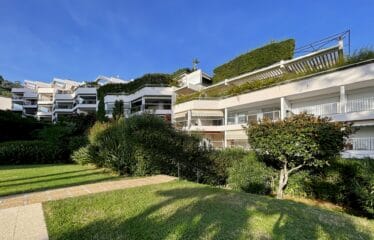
x: 14, y: 127
x: 28, y: 152
x: 346, y: 182
x: 221, y: 161
x: 142, y: 145
x: 255, y: 59
x: 251, y: 175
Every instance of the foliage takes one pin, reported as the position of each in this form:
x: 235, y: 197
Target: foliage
x: 6, y: 87
x: 347, y: 182
x: 255, y: 59
x: 142, y: 145
x: 221, y: 161
x: 82, y: 156
x: 80, y: 122
x: 251, y: 175
x: 28, y: 152
x: 185, y: 210
x: 298, y: 141
x: 360, y: 55
x: 14, y: 127
x: 16, y: 179
x: 118, y: 110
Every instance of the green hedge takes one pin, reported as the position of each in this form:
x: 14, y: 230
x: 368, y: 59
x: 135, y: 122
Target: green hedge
x: 28, y: 152
x: 255, y: 59
x: 347, y: 182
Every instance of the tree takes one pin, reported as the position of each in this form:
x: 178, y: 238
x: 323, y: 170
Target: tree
x: 295, y: 142
x: 118, y: 110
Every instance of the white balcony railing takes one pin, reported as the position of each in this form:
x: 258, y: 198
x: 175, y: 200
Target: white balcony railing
x: 361, y: 144
x: 319, y: 110
x: 326, y: 109
x: 358, y: 105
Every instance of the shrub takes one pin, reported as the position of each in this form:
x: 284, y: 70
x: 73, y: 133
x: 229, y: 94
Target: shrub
x: 255, y: 59
x: 251, y: 175
x: 28, y: 152
x: 300, y: 184
x: 361, y: 55
x: 298, y: 141
x: 14, y: 127
x: 82, y: 156
x: 142, y: 145
x: 221, y: 161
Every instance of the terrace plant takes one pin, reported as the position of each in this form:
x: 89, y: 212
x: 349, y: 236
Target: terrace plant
x: 296, y: 142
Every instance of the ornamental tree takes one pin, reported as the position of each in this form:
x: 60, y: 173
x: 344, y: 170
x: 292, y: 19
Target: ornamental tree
x: 295, y: 142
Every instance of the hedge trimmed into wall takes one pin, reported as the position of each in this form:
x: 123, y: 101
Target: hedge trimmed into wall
x: 255, y: 59
x: 28, y: 152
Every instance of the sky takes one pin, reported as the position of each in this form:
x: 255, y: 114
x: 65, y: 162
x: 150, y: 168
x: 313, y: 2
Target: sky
x: 81, y: 39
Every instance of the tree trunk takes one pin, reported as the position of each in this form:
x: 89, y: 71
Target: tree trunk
x: 283, y: 179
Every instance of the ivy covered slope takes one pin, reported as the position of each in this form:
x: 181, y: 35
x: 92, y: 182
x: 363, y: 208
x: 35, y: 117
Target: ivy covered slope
x: 6, y: 87
x: 255, y: 59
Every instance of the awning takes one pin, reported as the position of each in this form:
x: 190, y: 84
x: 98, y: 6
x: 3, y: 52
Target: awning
x: 180, y: 115
x: 207, y: 113
x: 238, y: 134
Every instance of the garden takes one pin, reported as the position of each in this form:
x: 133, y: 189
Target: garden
x: 222, y: 194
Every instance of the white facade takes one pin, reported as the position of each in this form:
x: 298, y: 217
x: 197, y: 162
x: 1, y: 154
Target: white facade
x: 5, y: 103
x: 345, y: 94
x: 153, y: 99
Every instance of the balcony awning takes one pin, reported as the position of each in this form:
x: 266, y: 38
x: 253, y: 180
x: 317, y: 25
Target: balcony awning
x: 180, y: 115
x: 207, y: 113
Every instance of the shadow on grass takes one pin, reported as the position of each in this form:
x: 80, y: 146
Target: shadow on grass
x: 28, y: 187
x: 42, y: 176
x: 208, y: 213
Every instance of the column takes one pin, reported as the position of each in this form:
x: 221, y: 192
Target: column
x: 225, y: 123
x: 285, y: 107
x: 343, y: 100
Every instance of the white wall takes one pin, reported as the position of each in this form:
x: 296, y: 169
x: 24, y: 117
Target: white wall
x: 5, y: 103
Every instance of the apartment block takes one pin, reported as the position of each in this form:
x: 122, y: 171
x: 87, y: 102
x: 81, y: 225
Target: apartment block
x: 342, y: 93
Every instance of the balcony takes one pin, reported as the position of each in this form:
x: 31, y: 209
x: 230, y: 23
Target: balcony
x: 360, y: 144
x: 244, y: 118
x: 328, y: 109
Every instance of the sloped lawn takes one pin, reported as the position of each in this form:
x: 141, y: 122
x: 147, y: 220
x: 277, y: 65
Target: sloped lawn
x: 29, y: 178
x: 184, y: 210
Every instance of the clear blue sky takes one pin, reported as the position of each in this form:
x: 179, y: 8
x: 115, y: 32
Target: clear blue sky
x: 42, y: 39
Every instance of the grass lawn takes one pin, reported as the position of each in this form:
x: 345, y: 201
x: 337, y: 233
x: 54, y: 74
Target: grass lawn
x: 184, y: 210
x: 28, y: 178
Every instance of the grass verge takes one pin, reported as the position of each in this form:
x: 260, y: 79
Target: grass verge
x: 184, y: 210
x: 30, y: 178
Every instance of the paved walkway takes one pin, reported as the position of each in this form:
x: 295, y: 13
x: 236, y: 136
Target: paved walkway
x: 22, y: 218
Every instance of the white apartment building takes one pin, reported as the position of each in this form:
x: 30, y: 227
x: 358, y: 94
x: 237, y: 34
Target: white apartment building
x: 155, y: 99
x: 343, y: 94
x: 48, y: 101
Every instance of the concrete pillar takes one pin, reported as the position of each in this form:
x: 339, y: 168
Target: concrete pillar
x: 285, y: 107
x: 343, y: 100
x: 225, y: 117
x: 142, y: 108
x: 189, y: 116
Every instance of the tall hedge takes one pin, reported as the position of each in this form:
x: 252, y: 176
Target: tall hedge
x: 255, y: 59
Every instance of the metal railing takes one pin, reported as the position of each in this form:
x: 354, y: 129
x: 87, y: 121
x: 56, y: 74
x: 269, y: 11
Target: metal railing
x: 358, y: 105
x: 319, y: 110
x: 360, y: 144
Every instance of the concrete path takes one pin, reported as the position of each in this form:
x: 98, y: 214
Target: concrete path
x: 22, y: 218
x: 23, y: 223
